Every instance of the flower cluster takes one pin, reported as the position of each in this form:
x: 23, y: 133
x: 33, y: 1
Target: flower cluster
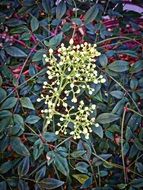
x: 71, y: 72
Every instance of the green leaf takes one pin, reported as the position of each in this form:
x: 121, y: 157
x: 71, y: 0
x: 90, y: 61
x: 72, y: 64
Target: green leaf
x: 40, y: 173
x: 3, y: 185
x: 46, y: 5
x: 15, y: 52
x: 82, y: 167
x: 98, y: 131
x: 60, y: 9
x: 5, y: 113
x: 133, y: 83
x: 55, y: 41
x: 127, y: 52
x: 9, y: 103
x: 81, y: 177
x: 13, y: 22
x: 23, y: 167
x: 119, y: 66
x: 1, y: 81
x: 137, y: 67
x: 2, y: 94
x: 61, y: 164
x: 39, y: 55
x: 34, y: 24
x: 105, y: 118
x: 91, y: 14
x: 103, y: 60
x: 31, y: 119
x: 23, y: 185
x: 122, y: 186
x: 19, y: 147
x: 137, y: 183
x: 78, y: 153
x: 5, y: 167
x: 117, y: 94
x: 26, y: 103
x: 50, y: 183
x: 50, y: 137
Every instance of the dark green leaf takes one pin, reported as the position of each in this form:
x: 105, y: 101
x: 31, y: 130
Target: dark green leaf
x: 38, y: 55
x: 1, y: 81
x: 55, y: 41
x: 23, y: 167
x: 60, y: 9
x: 50, y: 183
x: 26, y: 103
x: 137, y: 183
x: 137, y: 66
x: 98, y: 131
x: 40, y: 173
x: 103, y: 60
x: 78, y: 153
x: 3, y: 185
x: 31, y: 119
x: 82, y: 167
x: 34, y: 24
x: 46, y: 5
x: 9, y: 103
x: 2, y: 94
x: 61, y: 164
x: 105, y: 118
x: 91, y: 14
x: 13, y: 22
x: 5, y: 167
x: 19, y: 147
x: 50, y: 137
x: 15, y: 52
x: 119, y: 66
x: 117, y: 94
x: 23, y: 185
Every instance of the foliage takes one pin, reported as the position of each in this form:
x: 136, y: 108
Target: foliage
x: 32, y: 156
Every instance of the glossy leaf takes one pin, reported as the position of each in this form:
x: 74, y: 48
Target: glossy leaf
x: 15, y: 51
x: 119, y: 66
x: 105, y: 118
x: 19, y: 147
x: 34, y: 24
x: 9, y: 103
x: 31, y: 119
x: 26, y: 103
x: 50, y: 183
x: 91, y: 14
x: 23, y: 167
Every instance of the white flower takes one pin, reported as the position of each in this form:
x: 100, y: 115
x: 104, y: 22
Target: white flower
x: 51, y: 51
x: 57, y: 132
x: 46, y: 59
x: 65, y: 104
x: 44, y: 55
x: 45, y: 83
x: 85, y: 131
x: 71, y: 85
x: 74, y: 100
x: 38, y: 100
x: 90, y: 92
x: 93, y: 106
x: 69, y: 69
x: 61, y: 119
x: 103, y: 80
x: 97, y: 125
x: 71, y: 41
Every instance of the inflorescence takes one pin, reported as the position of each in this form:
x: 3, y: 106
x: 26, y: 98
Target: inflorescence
x: 70, y: 73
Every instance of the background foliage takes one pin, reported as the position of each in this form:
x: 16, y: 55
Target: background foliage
x: 112, y: 158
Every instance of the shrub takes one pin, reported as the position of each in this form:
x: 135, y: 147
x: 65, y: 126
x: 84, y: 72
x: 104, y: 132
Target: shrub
x: 70, y: 95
